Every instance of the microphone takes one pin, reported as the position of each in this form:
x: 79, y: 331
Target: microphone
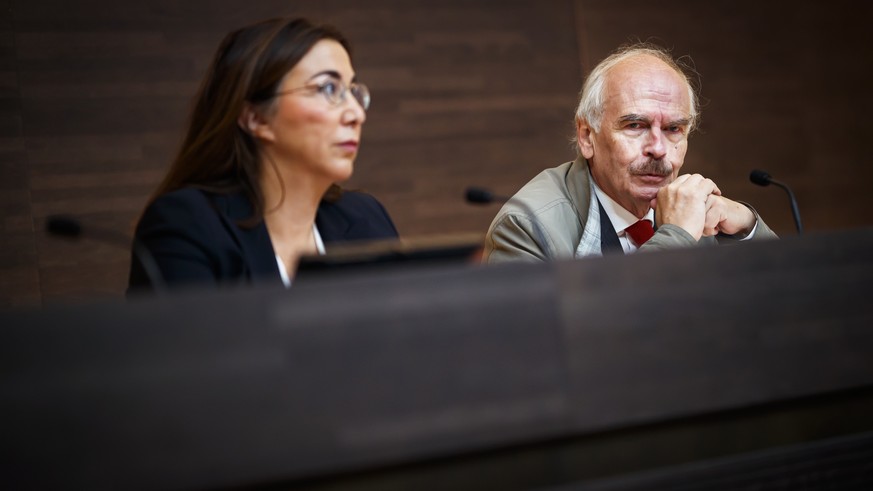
x: 762, y: 178
x: 70, y: 228
x: 62, y: 226
x: 482, y: 196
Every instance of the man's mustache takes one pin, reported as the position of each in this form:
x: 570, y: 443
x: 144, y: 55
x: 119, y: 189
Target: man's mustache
x: 658, y: 167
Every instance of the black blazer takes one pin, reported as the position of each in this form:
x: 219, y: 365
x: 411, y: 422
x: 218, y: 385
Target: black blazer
x: 195, y: 237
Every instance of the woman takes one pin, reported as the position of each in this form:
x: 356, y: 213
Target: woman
x: 276, y: 123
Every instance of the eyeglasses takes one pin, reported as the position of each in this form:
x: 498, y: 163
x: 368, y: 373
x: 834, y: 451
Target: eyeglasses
x: 335, y: 92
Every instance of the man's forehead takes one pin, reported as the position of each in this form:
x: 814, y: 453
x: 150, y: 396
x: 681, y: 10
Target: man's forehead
x: 645, y: 82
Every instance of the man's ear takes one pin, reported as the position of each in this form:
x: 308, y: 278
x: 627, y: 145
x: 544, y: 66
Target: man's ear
x: 253, y: 122
x: 584, y: 138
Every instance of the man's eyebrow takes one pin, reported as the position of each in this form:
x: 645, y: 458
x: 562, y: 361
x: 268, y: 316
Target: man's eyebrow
x: 680, y: 122
x: 639, y: 117
x: 633, y: 117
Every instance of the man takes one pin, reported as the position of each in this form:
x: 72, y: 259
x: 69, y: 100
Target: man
x: 634, y: 117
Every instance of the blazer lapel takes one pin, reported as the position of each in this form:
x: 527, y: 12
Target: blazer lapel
x: 333, y: 225
x: 255, y: 245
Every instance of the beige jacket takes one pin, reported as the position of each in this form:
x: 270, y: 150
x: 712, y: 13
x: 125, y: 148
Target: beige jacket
x: 558, y: 200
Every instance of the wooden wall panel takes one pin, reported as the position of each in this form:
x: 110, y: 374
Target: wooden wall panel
x: 19, y: 273
x: 94, y: 94
x: 99, y: 91
x: 464, y: 95
x: 784, y: 86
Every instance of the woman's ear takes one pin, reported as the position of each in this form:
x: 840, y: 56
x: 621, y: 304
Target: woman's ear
x: 253, y: 122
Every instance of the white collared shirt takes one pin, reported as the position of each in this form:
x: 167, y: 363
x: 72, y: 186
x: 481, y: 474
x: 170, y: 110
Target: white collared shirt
x: 621, y: 218
x: 319, y: 247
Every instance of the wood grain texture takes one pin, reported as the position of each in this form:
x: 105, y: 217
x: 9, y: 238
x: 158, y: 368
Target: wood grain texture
x: 94, y: 95
x: 19, y: 270
x: 783, y: 89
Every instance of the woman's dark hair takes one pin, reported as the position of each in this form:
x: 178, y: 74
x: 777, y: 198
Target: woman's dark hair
x: 217, y: 155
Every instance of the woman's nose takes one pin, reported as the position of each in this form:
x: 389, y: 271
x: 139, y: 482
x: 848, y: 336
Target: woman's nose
x: 353, y: 111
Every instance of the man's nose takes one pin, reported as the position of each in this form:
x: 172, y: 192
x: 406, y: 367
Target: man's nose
x: 655, y: 146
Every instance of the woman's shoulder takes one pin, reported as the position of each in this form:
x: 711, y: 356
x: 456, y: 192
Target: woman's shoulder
x: 357, y: 198
x: 358, y: 215
x: 182, y: 198
x: 184, y: 207
x: 358, y: 204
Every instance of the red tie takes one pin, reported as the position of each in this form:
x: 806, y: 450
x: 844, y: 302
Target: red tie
x: 640, y: 232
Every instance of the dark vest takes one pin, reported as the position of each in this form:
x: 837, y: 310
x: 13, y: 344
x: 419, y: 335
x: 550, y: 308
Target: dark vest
x: 609, y: 243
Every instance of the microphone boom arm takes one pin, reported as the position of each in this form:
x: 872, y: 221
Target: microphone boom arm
x: 794, y: 210
x: 762, y: 178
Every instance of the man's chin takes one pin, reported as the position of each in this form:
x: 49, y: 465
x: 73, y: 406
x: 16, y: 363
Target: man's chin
x: 648, y: 193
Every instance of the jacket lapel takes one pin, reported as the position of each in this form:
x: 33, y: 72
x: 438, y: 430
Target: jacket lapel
x: 579, y: 189
x: 254, y: 243
x: 333, y: 225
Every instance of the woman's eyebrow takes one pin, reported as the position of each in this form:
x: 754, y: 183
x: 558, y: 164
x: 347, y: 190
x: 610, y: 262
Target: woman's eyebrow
x: 330, y: 73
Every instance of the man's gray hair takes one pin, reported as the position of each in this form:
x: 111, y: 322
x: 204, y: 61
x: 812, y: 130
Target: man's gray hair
x: 591, y: 97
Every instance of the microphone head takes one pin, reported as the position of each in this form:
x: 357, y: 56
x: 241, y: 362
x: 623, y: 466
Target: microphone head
x: 479, y: 196
x: 63, y: 226
x: 760, y: 178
